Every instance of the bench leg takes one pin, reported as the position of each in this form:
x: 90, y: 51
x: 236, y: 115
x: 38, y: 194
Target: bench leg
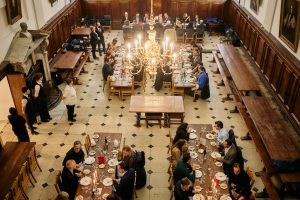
x: 217, y: 71
x: 227, y: 98
x: 235, y: 110
x: 138, y: 120
x: 262, y: 194
x: 83, y: 71
x: 246, y: 137
x: 221, y: 83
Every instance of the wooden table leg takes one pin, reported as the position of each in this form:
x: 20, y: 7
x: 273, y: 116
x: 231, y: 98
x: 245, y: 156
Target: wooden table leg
x: 166, y: 120
x: 138, y: 120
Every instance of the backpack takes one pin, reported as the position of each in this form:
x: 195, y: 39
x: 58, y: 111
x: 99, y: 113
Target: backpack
x: 139, y: 159
x: 141, y: 176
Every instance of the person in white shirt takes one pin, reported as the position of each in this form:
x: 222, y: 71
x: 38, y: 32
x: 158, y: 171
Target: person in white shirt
x: 70, y: 98
x: 221, y: 131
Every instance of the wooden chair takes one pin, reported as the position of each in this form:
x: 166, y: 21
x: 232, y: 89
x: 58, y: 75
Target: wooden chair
x: 199, y: 35
x: 87, y: 143
x: 8, y: 196
x: 251, y: 176
x: 177, y: 91
x: 129, y: 91
x: 171, y: 34
x: 58, y: 182
x: 172, y: 184
x: 167, y: 84
x: 106, y: 22
x: 32, y: 164
x: 153, y: 117
x: 24, y: 180
x: 15, y: 190
x: 134, y: 196
x: 141, y: 83
x: 197, y: 92
x: 112, y: 90
x: 104, y: 82
x: 180, y: 35
x: 170, y: 142
x: 189, y: 35
x: 175, y: 118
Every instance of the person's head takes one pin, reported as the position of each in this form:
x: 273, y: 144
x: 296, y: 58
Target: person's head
x: 126, y: 14
x: 106, y: 60
x: 185, y: 184
x: 291, y: 9
x: 183, y: 126
x: 196, y: 16
x: 13, y: 111
x: 71, y: 164
x: 62, y: 196
x: 69, y: 81
x: 115, y: 41
x: 137, y: 14
x: 185, y: 15
x: 77, y: 146
x: 92, y: 28
x: 123, y: 167
x: 25, y: 90
x: 24, y: 26
x: 38, y: 77
x: 113, y: 196
x: 236, y: 168
x: 218, y: 125
x: 127, y: 151
x: 181, y: 143
x: 166, y: 15
x: 186, y: 157
x: 201, y: 68
x: 98, y: 24
x: 227, y: 143
x: 146, y: 14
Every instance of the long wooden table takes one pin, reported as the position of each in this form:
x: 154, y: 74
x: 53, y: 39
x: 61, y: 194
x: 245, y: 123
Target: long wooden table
x: 12, y: 157
x: 155, y: 104
x: 87, y: 191
x: 273, y: 133
x: 68, y: 60
x: 237, y: 69
x: 208, y: 167
x: 81, y: 32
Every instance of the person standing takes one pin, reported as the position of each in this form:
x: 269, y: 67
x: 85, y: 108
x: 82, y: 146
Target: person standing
x: 18, y: 125
x: 94, y: 40
x: 41, y: 98
x: 100, y: 30
x: 70, y: 98
x: 28, y: 109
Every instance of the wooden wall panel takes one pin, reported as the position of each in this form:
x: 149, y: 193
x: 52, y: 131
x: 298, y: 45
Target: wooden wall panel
x: 280, y: 68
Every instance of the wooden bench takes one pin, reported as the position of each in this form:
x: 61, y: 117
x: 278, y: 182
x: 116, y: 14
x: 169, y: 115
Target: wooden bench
x: 80, y: 66
x: 272, y: 192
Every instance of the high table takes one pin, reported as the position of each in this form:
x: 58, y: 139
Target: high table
x: 12, y: 156
x: 80, y: 32
x: 206, y: 162
x: 96, y: 173
x: 155, y: 104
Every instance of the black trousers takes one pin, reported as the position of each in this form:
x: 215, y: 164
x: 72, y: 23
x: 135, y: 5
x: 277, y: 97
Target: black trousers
x: 101, y: 42
x: 94, y: 45
x: 43, y: 110
x: 70, y: 109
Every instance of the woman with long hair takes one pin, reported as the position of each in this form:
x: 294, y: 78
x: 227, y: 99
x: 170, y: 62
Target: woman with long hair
x: 177, y: 151
x: 182, y: 132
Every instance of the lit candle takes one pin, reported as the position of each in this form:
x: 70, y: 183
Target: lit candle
x: 171, y: 47
x: 139, y: 37
x: 136, y: 43
x: 164, y: 46
x: 167, y: 41
x: 128, y: 47
x: 146, y: 47
x: 174, y: 57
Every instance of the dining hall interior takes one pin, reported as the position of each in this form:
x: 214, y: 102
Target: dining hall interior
x: 149, y: 99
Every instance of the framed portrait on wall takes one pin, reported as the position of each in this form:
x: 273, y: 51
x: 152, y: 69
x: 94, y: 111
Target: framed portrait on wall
x: 289, y: 23
x: 254, y: 5
x: 13, y: 11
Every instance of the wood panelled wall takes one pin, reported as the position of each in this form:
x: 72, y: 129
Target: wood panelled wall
x: 279, y: 67
x: 175, y: 8
x: 60, y: 26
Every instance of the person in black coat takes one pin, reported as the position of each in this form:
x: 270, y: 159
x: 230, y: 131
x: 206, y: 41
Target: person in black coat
x: 41, y: 98
x: 183, y: 189
x: 161, y: 77
x: 182, y: 133
x: 75, y: 153
x: 239, y: 182
x: 28, y: 109
x: 94, y: 40
x: 70, y: 177
x: 18, y: 125
x: 107, y: 70
x: 124, y: 186
x: 100, y: 30
x: 125, y: 18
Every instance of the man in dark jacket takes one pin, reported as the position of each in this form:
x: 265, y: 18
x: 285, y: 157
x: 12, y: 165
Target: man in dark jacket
x: 75, y: 154
x: 100, y: 30
x: 70, y: 177
x: 94, y: 40
x: 230, y: 154
x: 28, y: 109
x: 107, y: 70
x: 124, y: 186
x: 239, y: 182
x: 183, y: 189
x: 18, y: 125
x: 184, y: 169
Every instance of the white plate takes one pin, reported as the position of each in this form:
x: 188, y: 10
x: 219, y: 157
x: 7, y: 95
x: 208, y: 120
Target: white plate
x: 201, y: 151
x: 198, y: 188
x: 93, y: 142
x: 213, y: 144
x: 192, y: 136
x: 114, y: 152
x: 198, y: 197
x: 225, y: 197
x: 220, y: 176
x: 223, y: 186
x: 101, y: 166
x: 80, y: 168
x: 85, y: 181
x: 104, y: 196
x: 89, y: 160
x: 113, y: 162
x: 191, y: 148
x: 111, y: 170
x: 215, y: 154
x: 107, y: 182
x: 218, y: 164
x: 210, y: 136
x: 86, y: 171
x: 95, y: 136
x: 79, y: 197
x: 198, y: 173
x: 194, y: 154
x: 92, y: 152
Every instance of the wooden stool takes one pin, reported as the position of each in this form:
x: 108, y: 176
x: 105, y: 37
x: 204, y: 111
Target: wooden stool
x: 153, y: 117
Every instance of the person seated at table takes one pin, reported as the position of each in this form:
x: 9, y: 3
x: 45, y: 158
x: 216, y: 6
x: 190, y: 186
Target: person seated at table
x: 202, y: 81
x: 125, y: 18
x: 75, y: 153
x: 185, y: 18
x: 127, y: 155
x: 113, y: 196
x: 221, y: 131
x: 160, y: 19
x: 138, y: 74
x: 62, y: 196
x: 161, y: 77
x: 197, y: 69
x: 185, y: 169
x: 137, y: 18
x: 239, y: 184
x: 124, y: 186
x: 167, y: 19
x: 107, y: 70
x: 18, y: 124
x: 196, y: 21
x: 146, y: 18
x: 230, y: 154
x: 183, y: 189
x: 182, y: 132
x: 70, y: 176
x: 178, y: 149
